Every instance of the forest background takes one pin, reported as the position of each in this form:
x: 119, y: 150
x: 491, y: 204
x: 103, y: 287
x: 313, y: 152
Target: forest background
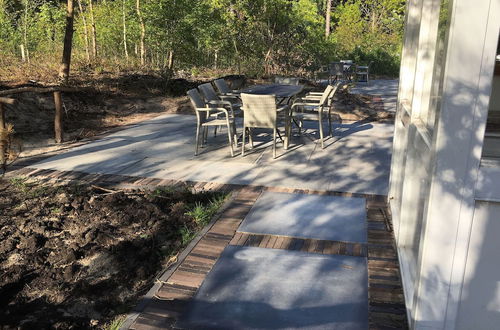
x: 257, y: 38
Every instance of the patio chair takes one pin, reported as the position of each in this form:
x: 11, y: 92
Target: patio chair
x: 224, y: 88
x: 336, y: 72
x: 316, y: 96
x: 261, y: 111
x: 348, y: 69
x: 211, y: 97
x: 314, y: 109
x: 204, y: 119
x: 286, y: 80
x: 362, y: 71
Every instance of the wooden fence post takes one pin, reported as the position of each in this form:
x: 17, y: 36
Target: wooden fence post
x: 58, y: 128
x: 2, y: 140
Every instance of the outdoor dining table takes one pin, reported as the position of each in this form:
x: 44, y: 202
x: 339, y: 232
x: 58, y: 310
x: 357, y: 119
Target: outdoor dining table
x: 281, y: 91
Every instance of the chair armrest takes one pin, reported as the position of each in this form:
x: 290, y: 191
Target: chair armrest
x: 219, y: 102
x: 230, y: 94
x: 212, y: 109
x: 228, y: 97
x: 312, y: 98
x: 304, y: 104
x: 283, y: 107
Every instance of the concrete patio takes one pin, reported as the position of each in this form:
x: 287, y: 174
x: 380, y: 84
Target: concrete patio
x: 356, y: 159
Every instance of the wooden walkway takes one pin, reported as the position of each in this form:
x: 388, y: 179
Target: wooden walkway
x: 160, y: 311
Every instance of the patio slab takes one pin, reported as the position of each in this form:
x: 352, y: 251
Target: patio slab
x: 356, y: 159
x: 331, y: 218
x: 255, y: 288
x: 382, y: 87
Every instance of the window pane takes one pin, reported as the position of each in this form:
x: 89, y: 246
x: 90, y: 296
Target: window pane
x: 439, y: 62
x: 491, y: 147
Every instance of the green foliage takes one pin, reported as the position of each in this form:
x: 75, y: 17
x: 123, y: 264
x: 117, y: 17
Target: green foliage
x: 203, y: 213
x: 116, y: 323
x: 254, y: 37
x: 186, y: 234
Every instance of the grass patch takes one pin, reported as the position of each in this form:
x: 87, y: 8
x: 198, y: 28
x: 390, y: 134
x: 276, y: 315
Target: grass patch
x: 203, y: 213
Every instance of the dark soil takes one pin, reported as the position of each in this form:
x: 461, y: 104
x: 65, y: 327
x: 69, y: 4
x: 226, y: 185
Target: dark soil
x: 77, y: 256
x: 106, y: 101
x: 355, y: 107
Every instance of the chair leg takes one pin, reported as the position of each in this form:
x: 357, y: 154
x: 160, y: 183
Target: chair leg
x: 330, y: 124
x: 243, y: 141
x: 287, y: 133
x: 274, y: 142
x: 230, y: 136
x: 235, y: 134
x: 321, y: 132
x: 205, y: 135
x: 250, y: 138
x: 215, y: 130
x: 197, y: 140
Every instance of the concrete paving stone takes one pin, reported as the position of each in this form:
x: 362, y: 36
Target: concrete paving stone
x: 308, y: 216
x: 163, y: 148
x: 377, y: 87
x: 255, y: 288
x: 159, y: 168
x: 222, y: 172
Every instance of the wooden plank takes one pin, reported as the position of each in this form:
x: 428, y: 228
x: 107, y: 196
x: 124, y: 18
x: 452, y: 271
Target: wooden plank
x: 236, y: 238
x: 279, y: 241
x: 306, y: 245
x: 286, y: 244
x: 342, y: 248
x: 297, y: 244
x: 264, y: 241
x: 243, y: 239
x: 58, y: 127
x: 271, y: 242
x: 6, y: 100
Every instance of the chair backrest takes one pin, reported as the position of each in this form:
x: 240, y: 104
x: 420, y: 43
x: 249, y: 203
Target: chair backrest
x: 196, y: 99
x: 362, y: 69
x: 197, y: 102
x: 324, y: 97
x: 208, y: 92
x: 222, y: 86
x: 287, y: 80
x: 346, y: 61
x: 332, y: 93
x: 337, y: 68
x: 259, y: 110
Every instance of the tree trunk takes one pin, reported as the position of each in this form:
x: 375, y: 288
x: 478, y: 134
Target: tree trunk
x: 328, y: 17
x: 85, y: 32
x: 143, y: 31
x: 216, y: 58
x: 25, y: 33
x: 93, y: 30
x: 171, y: 60
x: 68, y: 41
x: 237, y: 56
x: 124, y: 20
x: 23, y: 55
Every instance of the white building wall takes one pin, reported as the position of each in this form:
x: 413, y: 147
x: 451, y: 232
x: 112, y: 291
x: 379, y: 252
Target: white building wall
x: 480, y: 299
x: 447, y: 278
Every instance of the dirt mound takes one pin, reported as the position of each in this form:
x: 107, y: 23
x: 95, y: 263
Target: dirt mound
x: 75, y: 256
x: 355, y: 107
